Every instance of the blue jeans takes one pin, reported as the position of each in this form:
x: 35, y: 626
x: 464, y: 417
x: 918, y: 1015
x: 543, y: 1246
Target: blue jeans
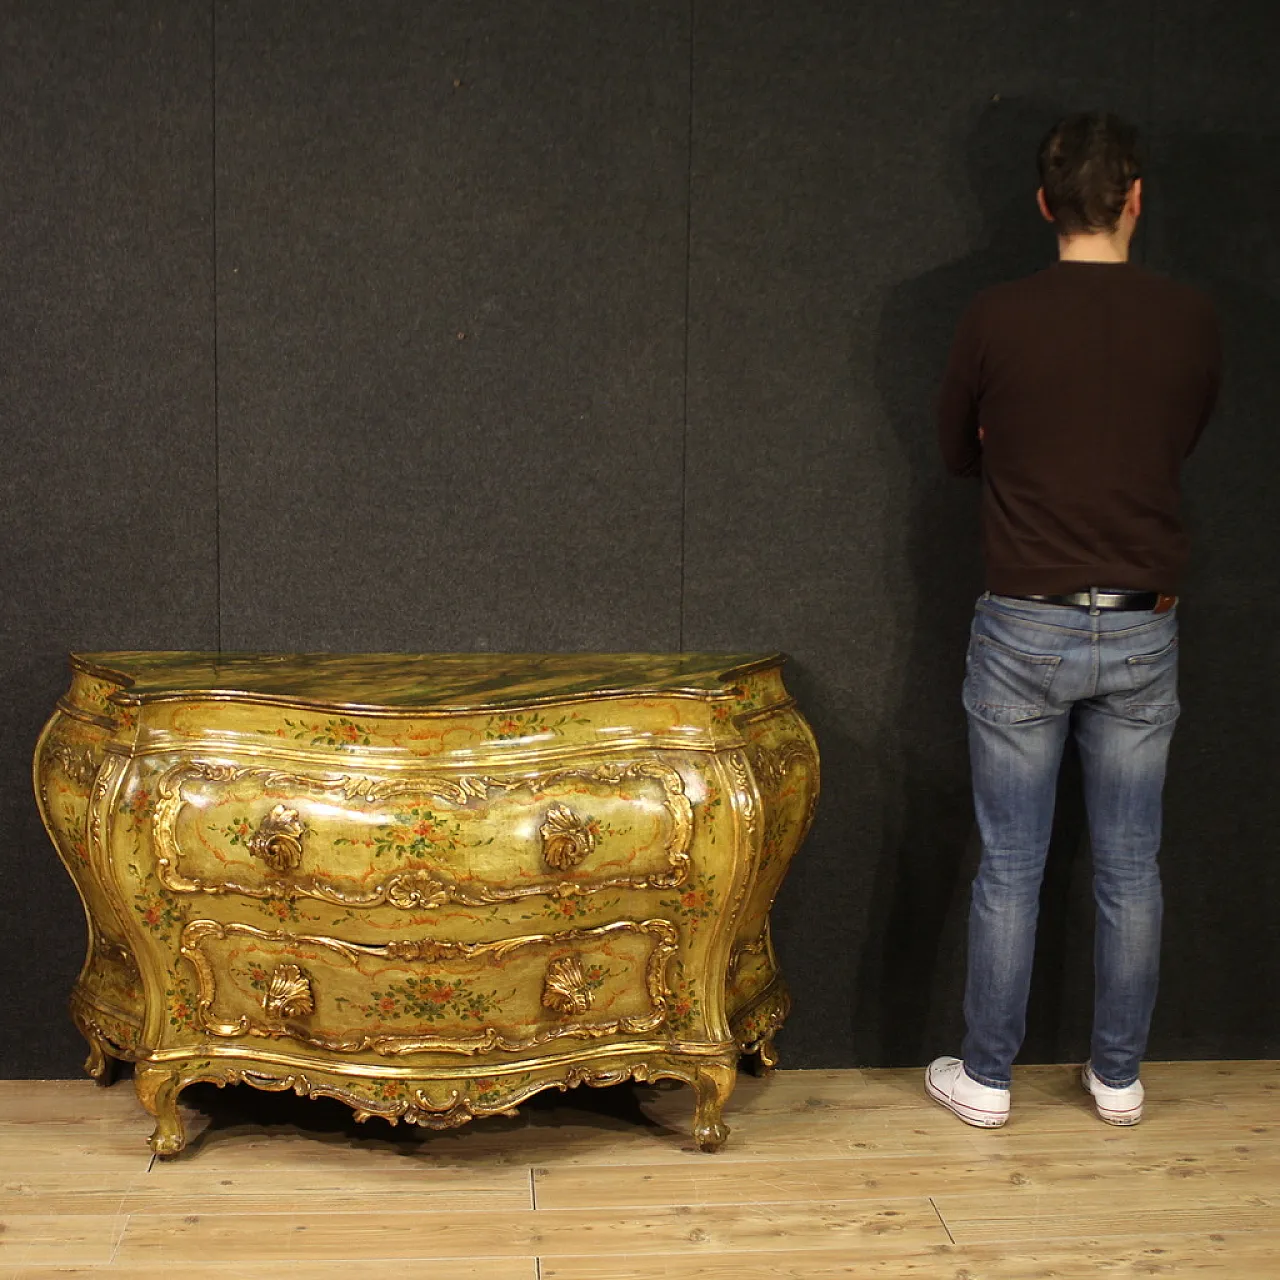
x: 1034, y: 674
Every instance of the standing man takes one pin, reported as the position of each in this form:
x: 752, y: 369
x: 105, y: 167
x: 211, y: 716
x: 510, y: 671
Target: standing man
x: 1075, y: 395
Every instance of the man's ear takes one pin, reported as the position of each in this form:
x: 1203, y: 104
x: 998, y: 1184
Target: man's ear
x: 1134, y: 201
x: 1044, y: 208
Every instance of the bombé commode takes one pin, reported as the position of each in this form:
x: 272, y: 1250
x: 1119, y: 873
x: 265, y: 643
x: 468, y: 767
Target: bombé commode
x: 427, y: 885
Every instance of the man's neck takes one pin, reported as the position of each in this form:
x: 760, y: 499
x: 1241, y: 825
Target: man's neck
x: 1096, y: 247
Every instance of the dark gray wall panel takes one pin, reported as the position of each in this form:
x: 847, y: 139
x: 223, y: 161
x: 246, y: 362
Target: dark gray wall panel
x: 451, y: 284
x: 107, y: 528
x: 1213, y: 213
x: 858, y: 173
x: 451, y: 266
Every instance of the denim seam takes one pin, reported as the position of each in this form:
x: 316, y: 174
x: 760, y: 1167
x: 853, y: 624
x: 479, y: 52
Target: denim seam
x: 987, y: 1080
x: 1127, y: 1084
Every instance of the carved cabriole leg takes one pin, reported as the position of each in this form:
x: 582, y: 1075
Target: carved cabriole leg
x: 712, y: 1083
x: 157, y: 1089
x: 767, y: 1055
x: 99, y: 1064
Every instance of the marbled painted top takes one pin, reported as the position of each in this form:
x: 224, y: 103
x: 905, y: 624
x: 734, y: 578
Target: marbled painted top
x: 426, y: 681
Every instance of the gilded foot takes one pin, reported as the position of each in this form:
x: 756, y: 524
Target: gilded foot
x: 99, y: 1064
x: 712, y: 1085
x: 767, y: 1055
x: 157, y: 1090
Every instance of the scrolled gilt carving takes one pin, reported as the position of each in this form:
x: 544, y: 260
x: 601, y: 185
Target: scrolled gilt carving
x: 565, y: 988
x: 746, y: 788
x: 289, y: 993
x: 460, y: 1104
x: 197, y: 934
x: 755, y: 1025
x: 417, y: 949
x: 414, y: 891
x: 79, y: 763
x: 567, y: 839
x: 752, y: 947
x: 772, y: 764
x: 419, y: 888
x: 278, y: 839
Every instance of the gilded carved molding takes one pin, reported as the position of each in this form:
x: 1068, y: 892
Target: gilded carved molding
x: 80, y: 763
x: 418, y: 888
x: 289, y: 993
x: 489, y: 1038
x: 467, y: 1099
x: 278, y: 839
x: 756, y: 946
x: 772, y: 764
x: 746, y: 788
x: 567, y: 839
x: 565, y: 987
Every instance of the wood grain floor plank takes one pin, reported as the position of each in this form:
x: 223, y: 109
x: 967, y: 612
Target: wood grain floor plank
x: 995, y: 1173
x: 862, y: 1225
x: 304, y: 1269
x: 1212, y: 1255
x: 65, y: 1239
x: 824, y: 1171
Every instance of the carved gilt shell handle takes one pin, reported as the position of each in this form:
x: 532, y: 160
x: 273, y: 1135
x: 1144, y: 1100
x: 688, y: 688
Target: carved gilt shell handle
x: 566, y: 838
x: 565, y: 987
x: 289, y: 993
x: 278, y: 839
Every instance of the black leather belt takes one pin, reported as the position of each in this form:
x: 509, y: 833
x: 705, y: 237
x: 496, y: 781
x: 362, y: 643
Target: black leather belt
x: 1133, y: 601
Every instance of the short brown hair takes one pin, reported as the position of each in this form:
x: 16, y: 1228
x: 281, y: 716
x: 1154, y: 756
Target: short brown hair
x: 1088, y: 162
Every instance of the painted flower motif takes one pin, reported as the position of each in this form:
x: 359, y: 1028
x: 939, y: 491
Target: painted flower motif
x: 427, y: 999
x: 337, y: 732
x: 696, y: 904
x: 283, y: 909
x: 419, y: 832
x: 238, y: 830
x: 683, y: 1007
x: 522, y: 724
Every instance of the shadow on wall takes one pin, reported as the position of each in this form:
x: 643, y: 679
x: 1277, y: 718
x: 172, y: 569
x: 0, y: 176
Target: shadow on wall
x: 1215, y: 206
x: 911, y: 975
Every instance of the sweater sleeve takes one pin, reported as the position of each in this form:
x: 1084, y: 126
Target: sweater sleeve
x: 958, y: 400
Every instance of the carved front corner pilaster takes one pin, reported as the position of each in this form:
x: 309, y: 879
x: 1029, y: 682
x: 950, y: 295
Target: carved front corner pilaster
x: 278, y: 839
x: 567, y: 839
x: 289, y: 993
x: 565, y: 987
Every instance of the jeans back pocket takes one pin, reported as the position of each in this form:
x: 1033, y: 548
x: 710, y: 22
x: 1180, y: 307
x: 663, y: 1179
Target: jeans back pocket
x: 1004, y: 685
x: 1153, y: 678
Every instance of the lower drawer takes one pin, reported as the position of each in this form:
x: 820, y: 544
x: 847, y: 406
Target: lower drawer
x: 428, y: 994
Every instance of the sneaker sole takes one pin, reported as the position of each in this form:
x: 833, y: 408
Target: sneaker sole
x: 974, y: 1116
x: 1121, y: 1119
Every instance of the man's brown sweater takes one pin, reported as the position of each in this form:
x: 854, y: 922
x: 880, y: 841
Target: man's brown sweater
x: 1091, y: 383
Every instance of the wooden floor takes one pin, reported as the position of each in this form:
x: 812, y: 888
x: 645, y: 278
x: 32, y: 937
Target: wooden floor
x: 827, y: 1173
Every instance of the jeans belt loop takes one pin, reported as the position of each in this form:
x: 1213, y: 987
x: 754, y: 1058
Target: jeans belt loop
x: 1093, y: 602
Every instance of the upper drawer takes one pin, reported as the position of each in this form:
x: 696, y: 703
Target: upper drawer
x: 415, y: 840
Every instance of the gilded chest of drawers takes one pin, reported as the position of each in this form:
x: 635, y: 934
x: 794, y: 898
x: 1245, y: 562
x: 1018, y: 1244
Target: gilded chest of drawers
x: 427, y: 885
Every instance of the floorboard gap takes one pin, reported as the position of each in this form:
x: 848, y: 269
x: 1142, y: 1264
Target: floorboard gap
x: 942, y: 1220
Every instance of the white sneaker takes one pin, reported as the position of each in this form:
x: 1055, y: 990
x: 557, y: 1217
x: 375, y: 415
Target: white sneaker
x: 946, y: 1081
x: 1115, y: 1106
